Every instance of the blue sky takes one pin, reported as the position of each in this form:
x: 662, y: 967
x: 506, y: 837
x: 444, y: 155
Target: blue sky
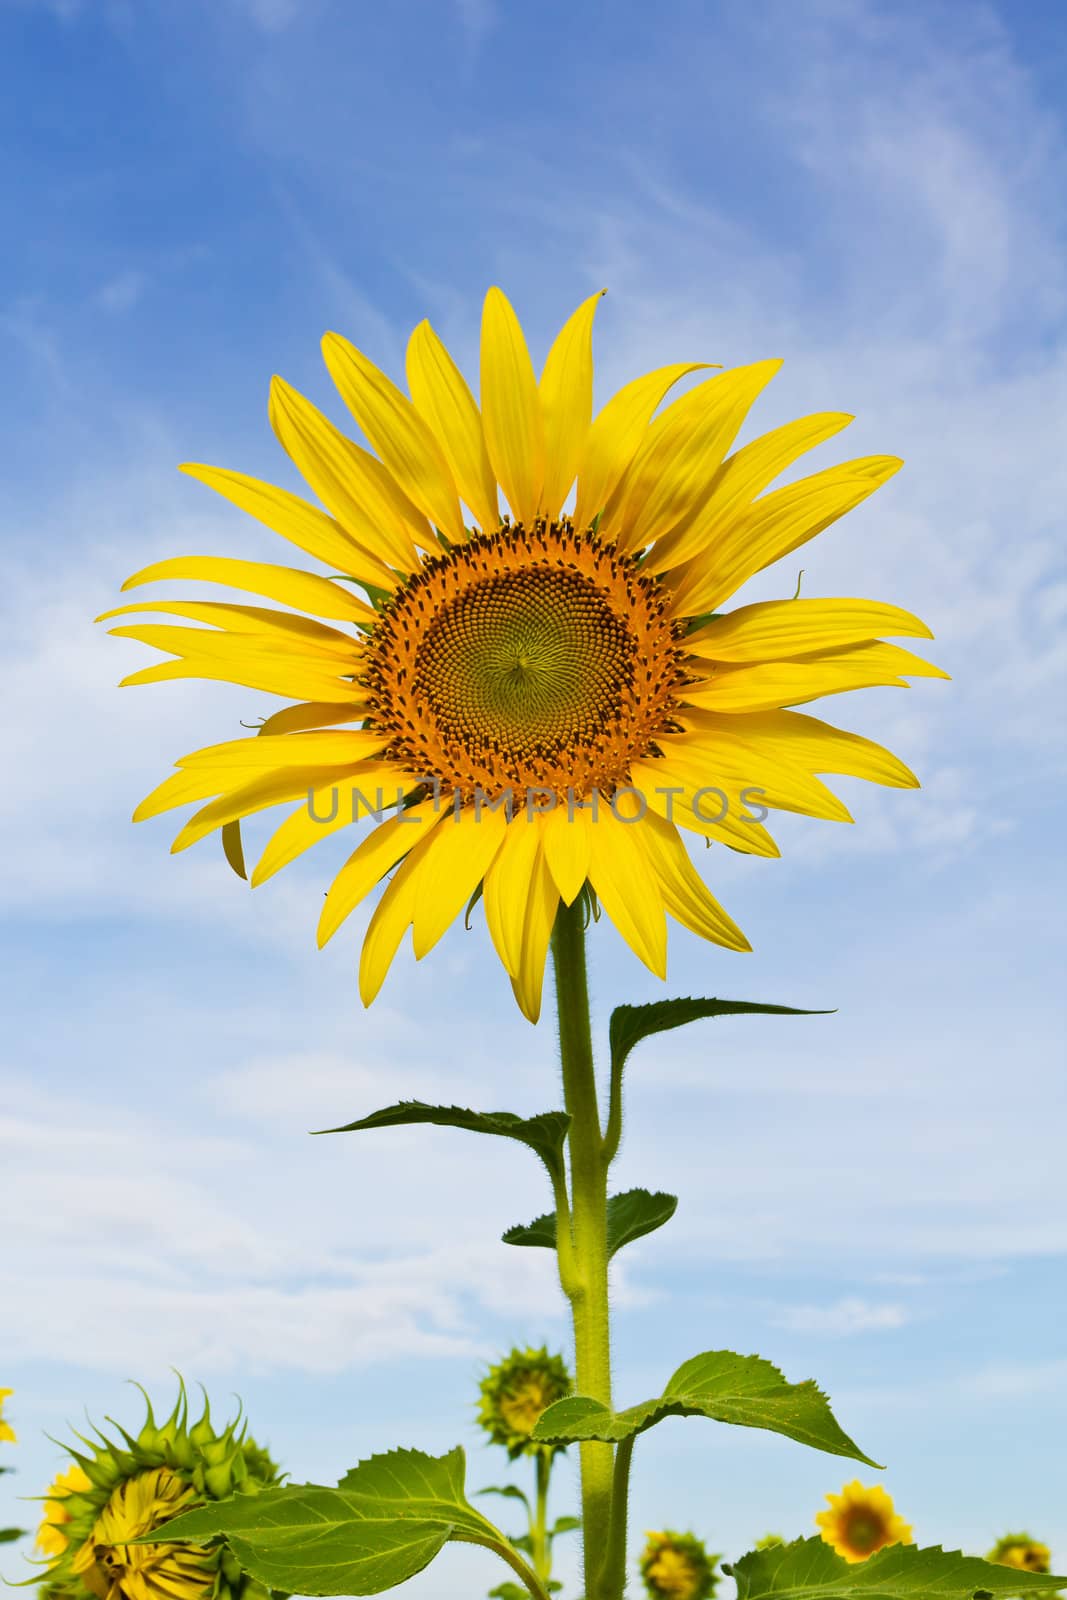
x: 875, y: 1199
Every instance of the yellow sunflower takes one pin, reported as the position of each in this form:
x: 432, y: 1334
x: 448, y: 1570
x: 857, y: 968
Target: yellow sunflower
x: 51, y: 1539
x: 113, y: 1569
x: 860, y: 1521
x: 6, y: 1430
x: 1023, y: 1551
x: 544, y: 701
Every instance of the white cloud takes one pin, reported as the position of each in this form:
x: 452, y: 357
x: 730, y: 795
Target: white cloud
x: 843, y: 1318
x: 122, y: 292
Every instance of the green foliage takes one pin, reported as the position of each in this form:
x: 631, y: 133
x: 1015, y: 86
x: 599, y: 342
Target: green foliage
x: 545, y: 1134
x: 9, y: 1535
x: 385, y: 1522
x: 809, y: 1569
x: 630, y: 1024
x: 630, y: 1215
x: 745, y: 1390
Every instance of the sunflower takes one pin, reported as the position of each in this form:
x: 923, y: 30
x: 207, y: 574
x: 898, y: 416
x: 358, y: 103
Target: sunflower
x: 677, y: 1566
x: 541, y: 700
x: 515, y: 1392
x: 860, y: 1521
x: 51, y: 1539
x: 1022, y: 1551
x: 117, y: 1490
x: 6, y: 1430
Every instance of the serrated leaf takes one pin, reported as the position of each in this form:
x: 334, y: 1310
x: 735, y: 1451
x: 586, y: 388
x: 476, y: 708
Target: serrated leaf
x: 544, y: 1133
x: 630, y: 1216
x: 385, y: 1522
x: 809, y: 1569
x: 630, y: 1024
x: 744, y: 1390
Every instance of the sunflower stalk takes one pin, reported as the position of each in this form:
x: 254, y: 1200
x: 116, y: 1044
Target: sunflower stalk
x: 586, y: 1282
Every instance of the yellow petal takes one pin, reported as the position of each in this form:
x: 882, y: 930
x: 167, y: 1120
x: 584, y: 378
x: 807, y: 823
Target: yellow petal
x: 313, y: 749
x: 626, y: 887
x: 775, y: 525
x: 672, y: 473
x: 684, y: 892
x: 459, y: 856
x: 691, y: 797
x: 566, y: 846
x: 304, y: 525
x: 268, y: 673
x: 806, y: 742
x: 312, y: 714
x: 374, y: 857
x: 318, y: 654
x: 178, y: 790
x: 511, y: 409
x: 269, y: 789
x: 441, y: 396
x: 773, y: 630
x: 329, y: 810
x: 254, y: 620
x: 738, y: 768
x: 566, y: 392
x: 507, y: 889
x: 391, y: 920
x: 541, y: 908
x: 775, y: 684
x: 740, y: 478
x: 302, y: 590
x: 402, y: 439
x: 359, y: 491
x: 616, y: 434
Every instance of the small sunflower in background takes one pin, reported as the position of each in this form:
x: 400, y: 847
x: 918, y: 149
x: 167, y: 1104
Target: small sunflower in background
x: 116, y: 1491
x: 861, y: 1520
x: 6, y: 1430
x: 515, y: 1392
x: 678, y: 1566
x: 1021, y: 1551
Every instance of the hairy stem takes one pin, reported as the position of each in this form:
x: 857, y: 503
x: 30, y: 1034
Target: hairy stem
x: 540, y: 1558
x: 586, y: 1285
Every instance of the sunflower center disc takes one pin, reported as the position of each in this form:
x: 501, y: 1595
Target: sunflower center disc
x: 524, y: 659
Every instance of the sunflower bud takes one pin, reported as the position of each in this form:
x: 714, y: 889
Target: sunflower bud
x: 117, y: 1491
x: 1021, y: 1551
x: 515, y: 1392
x: 678, y: 1566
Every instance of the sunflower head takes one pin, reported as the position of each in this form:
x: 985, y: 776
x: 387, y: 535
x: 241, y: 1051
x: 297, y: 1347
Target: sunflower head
x: 116, y: 1490
x: 515, y: 1392
x: 860, y: 1521
x: 1022, y: 1551
x: 678, y: 1566
x: 7, y: 1432
x: 546, y: 696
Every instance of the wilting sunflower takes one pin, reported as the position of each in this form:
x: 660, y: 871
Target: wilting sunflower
x: 116, y: 1491
x: 6, y: 1430
x: 546, y: 700
x: 1022, y: 1551
x: 515, y: 1392
x: 860, y: 1521
x: 677, y: 1566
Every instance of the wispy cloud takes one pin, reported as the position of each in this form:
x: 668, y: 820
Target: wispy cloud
x: 843, y: 1318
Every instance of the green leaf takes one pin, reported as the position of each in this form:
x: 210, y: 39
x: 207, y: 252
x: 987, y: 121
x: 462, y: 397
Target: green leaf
x: 510, y: 1491
x: 810, y: 1568
x: 385, y: 1521
x: 9, y: 1535
x: 564, y: 1525
x: 745, y: 1390
x: 508, y: 1591
x: 544, y: 1133
x: 630, y: 1024
x: 630, y: 1215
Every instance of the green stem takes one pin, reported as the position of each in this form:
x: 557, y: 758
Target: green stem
x: 507, y: 1552
x: 613, y: 1572
x: 542, y: 1563
x: 586, y: 1285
